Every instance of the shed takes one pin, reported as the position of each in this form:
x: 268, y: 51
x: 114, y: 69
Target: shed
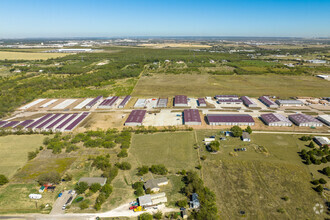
x: 194, y: 203
x: 246, y: 136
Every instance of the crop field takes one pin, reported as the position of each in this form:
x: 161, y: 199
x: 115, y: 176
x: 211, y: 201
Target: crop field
x: 8, y: 55
x: 14, y: 151
x: 255, y: 181
x: 251, y: 85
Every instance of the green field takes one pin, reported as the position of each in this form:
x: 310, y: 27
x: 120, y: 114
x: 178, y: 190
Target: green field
x: 14, y: 150
x: 255, y: 181
x: 251, y: 85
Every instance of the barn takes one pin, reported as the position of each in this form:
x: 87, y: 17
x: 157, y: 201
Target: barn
x: 180, y: 101
x: 135, y: 118
x: 191, y: 117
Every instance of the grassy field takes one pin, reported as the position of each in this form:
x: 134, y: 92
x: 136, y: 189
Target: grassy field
x: 28, y: 56
x: 255, y: 181
x: 14, y: 150
x: 251, y: 85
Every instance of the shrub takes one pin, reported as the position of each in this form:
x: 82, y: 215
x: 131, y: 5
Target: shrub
x: 315, y: 182
x: 142, y: 170
x: 324, y: 160
x: 51, y: 177
x: 124, y: 166
x: 319, y: 189
x: 3, y: 179
x: 81, y: 187
x: 79, y: 199
x: 203, y: 157
x: 311, y: 145
x: 139, y: 192
x: 137, y: 185
x: 95, y: 187
x: 84, y: 204
x: 326, y: 171
x: 248, y: 130
x: 306, y: 138
x: 32, y: 154
x: 214, y: 146
x: 322, y: 181
x: 308, y: 161
x: 285, y: 198
x: 158, y: 215
x: 182, y: 203
x: 106, y: 189
x: 67, y: 177
x: 101, y: 162
x: 145, y: 216
x: 122, y: 153
x: 159, y: 169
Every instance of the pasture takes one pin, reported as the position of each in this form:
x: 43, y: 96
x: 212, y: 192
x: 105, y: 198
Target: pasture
x: 14, y: 151
x: 251, y: 85
x: 257, y: 180
x: 11, y: 55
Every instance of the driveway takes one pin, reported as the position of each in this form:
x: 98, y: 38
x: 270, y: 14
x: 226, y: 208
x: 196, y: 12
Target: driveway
x: 60, y: 201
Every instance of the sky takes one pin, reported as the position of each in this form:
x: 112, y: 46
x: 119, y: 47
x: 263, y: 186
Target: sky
x: 125, y: 18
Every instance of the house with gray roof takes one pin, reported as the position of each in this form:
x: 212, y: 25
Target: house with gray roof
x: 154, y: 184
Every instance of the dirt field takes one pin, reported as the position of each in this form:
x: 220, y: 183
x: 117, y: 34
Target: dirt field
x: 28, y: 56
x: 105, y: 120
x: 251, y: 85
x: 14, y: 151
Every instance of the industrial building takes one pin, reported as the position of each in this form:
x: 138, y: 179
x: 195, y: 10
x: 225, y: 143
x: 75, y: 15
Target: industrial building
x: 180, y: 101
x: 152, y: 199
x: 226, y: 97
x: 140, y: 103
x: 154, y: 184
x: 135, y: 118
x: 124, y: 102
x: 248, y: 102
x: 229, y: 101
x: 321, y: 141
x: 191, y: 117
x: 275, y: 119
x: 162, y: 103
x: 230, y: 119
x: 305, y: 120
x: 282, y: 102
x: 325, y: 119
x: 201, y: 102
x: 268, y: 102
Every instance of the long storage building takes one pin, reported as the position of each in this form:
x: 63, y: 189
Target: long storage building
x: 305, y: 120
x: 135, y: 118
x: 124, y: 102
x: 248, y: 102
x: 293, y: 102
x: 108, y: 102
x: 162, y: 103
x: 201, y: 102
x: 274, y: 119
x: 325, y: 119
x: 180, y: 101
x: 94, y: 102
x: 226, y: 97
x: 268, y: 102
x: 191, y: 117
x: 229, y: 119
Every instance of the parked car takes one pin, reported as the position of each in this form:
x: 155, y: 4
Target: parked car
x: 133, y: 207
x: 59, y: 195
x: 63, y: 207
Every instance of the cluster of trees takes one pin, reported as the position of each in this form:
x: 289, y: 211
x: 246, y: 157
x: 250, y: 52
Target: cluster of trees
x: 33, y: 154
x: 194, y: 184
x: 148, y: 216
x: 124, y: 165
x: 236, y: 131
x: 3, y: 180
x: 306, y: 138
x: 138, y: 187
x: 315, y: 156
x: 214, y: 146
x: 50, y: 177
x: 159, y: 169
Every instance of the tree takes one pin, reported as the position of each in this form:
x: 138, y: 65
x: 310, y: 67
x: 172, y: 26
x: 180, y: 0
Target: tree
x: 95, y: 187
x: 236, y: 131
x: 322, y: 181
x: 311, y: 144
x: 145, y: 216
x: 214, y: 146
x: 142, y: 170
x: 122, y: 153
x: 124, y: 166
x: 3, y: 179
x: 319, y: 189
x: 248, y: 130
x: 84, y: 204
x: 106, y: 189
x: 182, y: 203
x: 159, y: 169
x: 139, y: 192
x: 315, y: 182
x: 51, y: 177
x: 81, y: 187
x: 324, y: 160
x: 326, y: 171
x: 308, y: 161
x: 158, y: 215
x: 317, y: 162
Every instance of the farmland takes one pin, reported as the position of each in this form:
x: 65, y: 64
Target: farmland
x: 14, y: 151
x: 256, y: 181
x: 251, y: 85
x: 11, y: 55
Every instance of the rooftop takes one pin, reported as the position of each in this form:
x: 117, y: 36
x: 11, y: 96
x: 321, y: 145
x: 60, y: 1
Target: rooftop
x: 302, y: 118
x: 274, y: 117
x: 180, y: 99
x: 136, y: 116
x: 229, y: 118
x: 201, y: 101
x: 191, y: 115
x: 247, y: 100
x: 289, y: 101
x: 152, y: 183
x: 267, y: 100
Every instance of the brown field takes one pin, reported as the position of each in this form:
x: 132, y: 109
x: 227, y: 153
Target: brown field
x: 175, y: 45
x: 28, y: 56
x: 251, y: 85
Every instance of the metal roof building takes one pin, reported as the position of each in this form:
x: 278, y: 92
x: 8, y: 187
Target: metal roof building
x: 274, y: 119
x: 305, y: 120
x: 108, y: 102
x: 140, y: 103
x: 124, y: 102
x: 282, y: 102
x: 268, y: 102
x: 229, y: 119
x: 94, y: 102
x: 162, y: 103
x: 230, y: 101
x: 226, y: 97
x: 180, y: 101
x: 135, y: 118
x: 201, y: 102
x: 325, y: 119
x: 321, y: 141
x: 248, y: 102
x: 152, y: 199
x: 191, y: 117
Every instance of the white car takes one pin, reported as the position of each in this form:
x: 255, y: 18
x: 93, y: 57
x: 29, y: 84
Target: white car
x: 63, y: 207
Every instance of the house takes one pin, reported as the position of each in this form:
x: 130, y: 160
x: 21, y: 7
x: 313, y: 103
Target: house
x: 154, y: 184
x: 90, y: 180
x: 246, y: 136
x: 194, y: 203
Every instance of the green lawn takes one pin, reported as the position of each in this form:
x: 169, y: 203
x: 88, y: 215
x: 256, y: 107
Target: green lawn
x: 283, y: 86
x: 14, y: 150
x: 255, y: 182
